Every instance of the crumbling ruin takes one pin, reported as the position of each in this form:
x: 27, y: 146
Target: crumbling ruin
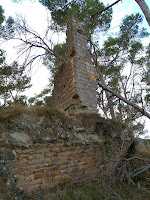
x: 41, y: 148
x: 75, y: 82
x: 42, y: 151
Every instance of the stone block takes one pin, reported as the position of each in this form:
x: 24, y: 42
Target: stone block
x: 75, y: 69
x: 18, y: 138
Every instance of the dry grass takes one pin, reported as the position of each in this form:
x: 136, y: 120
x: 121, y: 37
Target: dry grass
x: 96, y: 191
x: 90, y: 191
x: 13, y: 111
x: 8, y: 115
x: 95, y: 121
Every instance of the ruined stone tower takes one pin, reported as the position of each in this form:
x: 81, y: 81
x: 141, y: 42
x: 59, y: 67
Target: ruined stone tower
x: 75, y: 82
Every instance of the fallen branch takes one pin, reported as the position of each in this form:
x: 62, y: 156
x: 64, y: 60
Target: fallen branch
x: 141, y: 110
x: 126, y: 170
x: 138, y: 158
x: 140, y: 170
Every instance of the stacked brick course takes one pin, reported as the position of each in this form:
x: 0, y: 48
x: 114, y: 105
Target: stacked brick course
x: 75, y: 83
x: 48, y: 165
x: 46, y: 152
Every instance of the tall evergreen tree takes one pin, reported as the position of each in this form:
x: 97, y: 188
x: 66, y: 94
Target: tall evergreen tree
x: 84, y: 10
x: 13, y: 81
x: 125, y: 52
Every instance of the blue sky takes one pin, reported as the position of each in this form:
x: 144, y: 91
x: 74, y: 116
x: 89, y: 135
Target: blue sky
x: 126, y: 7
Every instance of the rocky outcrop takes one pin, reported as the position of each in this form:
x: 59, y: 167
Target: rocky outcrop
x: 39, y: 152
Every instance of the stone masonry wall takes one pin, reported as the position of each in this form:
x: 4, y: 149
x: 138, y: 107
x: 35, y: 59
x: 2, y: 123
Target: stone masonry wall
x: 42, y: 152
x: 75, y: 83
x: 47, y: 165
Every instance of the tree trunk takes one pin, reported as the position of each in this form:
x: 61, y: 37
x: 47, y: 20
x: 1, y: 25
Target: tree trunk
x: 145, y: 9
x: 110, y: 104
x: 129, y: 117
x: 108, y: 96
x: 141, y: 110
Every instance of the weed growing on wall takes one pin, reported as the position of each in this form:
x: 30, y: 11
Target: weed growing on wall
x: 104, y: 147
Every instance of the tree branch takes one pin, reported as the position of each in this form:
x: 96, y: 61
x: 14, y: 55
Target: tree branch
x: 136, y: 157
x: 145, y: 9
x: 140, y: 170
x: 141, y: 110
x: 100, y: 12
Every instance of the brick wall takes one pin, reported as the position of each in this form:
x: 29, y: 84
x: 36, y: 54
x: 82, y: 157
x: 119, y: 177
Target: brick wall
x: 47, y: 165
x: 42, y: 152
x: 75, y: 83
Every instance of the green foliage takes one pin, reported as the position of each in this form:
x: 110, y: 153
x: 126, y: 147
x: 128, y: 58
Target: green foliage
x: 136, y: 48
x: 126, y: 52
x: 72, y: 108
x: 139, y: 129
x: 52, y: 62
x: 13, y: 81
x: 20, y: 100
x: 147, y: 98
x: 129, y: 29
x: 6, y: 25
x: 84, y: 11
x: 99, y: 191
x: 59, y: 50
x: 1, y: 15
x: 42, y: 99
x: 9, y: 25
x: 6, y: 196
x: 146, y: 73
x: 105, y: 152
x: 112, y: 46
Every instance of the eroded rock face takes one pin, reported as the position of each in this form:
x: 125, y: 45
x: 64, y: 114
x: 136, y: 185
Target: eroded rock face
x: 18, y: 138
x: 39, y: 152
x: 25, y: 133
